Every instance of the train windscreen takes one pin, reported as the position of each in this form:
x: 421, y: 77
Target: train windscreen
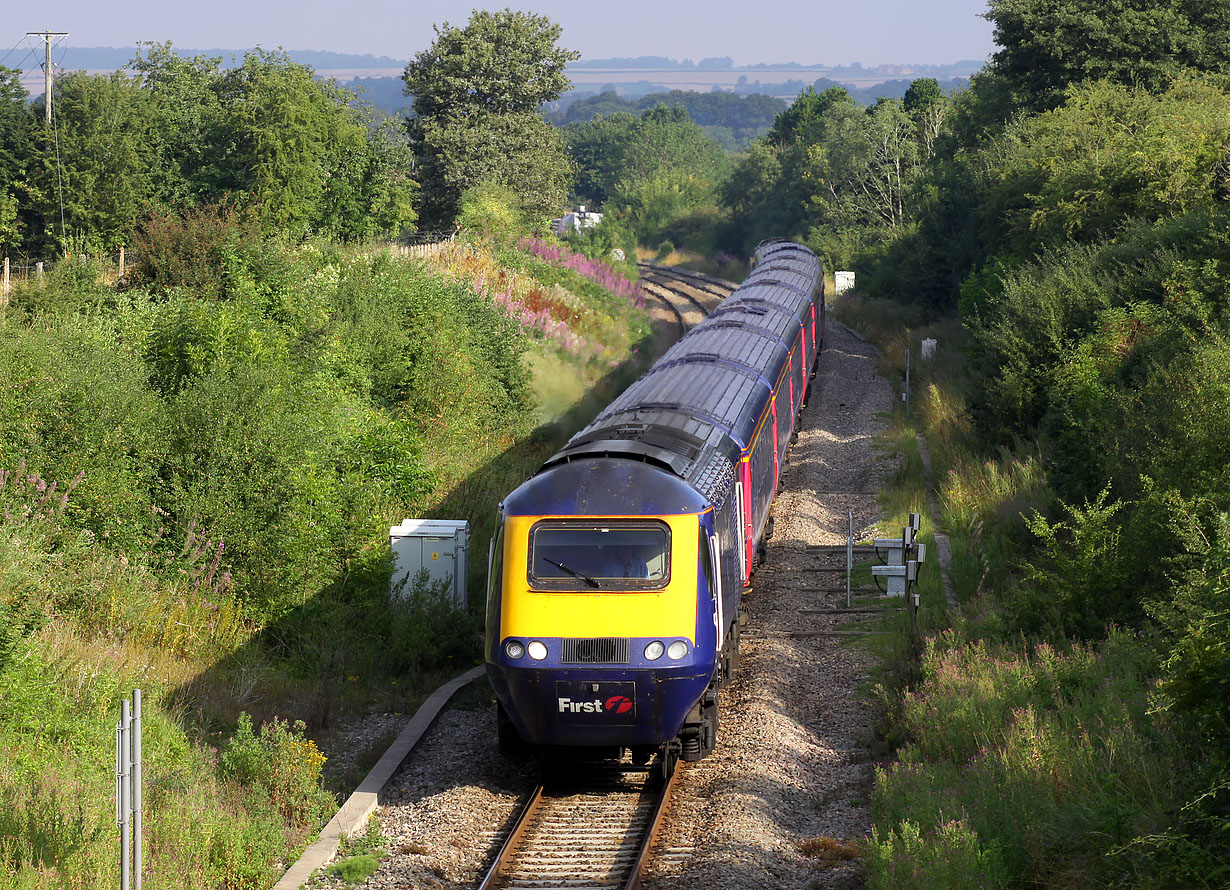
x: 567, y: 555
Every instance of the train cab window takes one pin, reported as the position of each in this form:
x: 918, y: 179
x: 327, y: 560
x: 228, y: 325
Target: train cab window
x: 706, y: 569
x: 570, y: 555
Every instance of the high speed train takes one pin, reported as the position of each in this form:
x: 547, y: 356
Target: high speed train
x: 617, y: 571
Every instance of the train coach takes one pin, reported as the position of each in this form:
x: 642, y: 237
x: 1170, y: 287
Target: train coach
x: 617, y: 570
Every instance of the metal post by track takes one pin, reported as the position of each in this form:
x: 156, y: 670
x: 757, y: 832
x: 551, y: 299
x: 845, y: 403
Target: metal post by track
x: 128, y: 789
x: 849, y: 554
x: 906, y: 395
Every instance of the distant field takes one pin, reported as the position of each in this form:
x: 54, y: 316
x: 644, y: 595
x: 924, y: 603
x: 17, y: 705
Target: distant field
x: 704, y: 80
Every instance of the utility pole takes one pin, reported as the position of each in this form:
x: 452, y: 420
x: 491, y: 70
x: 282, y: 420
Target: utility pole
x: 47, y: 35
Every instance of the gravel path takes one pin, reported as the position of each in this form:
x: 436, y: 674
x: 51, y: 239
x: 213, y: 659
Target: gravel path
x: 793, y: 765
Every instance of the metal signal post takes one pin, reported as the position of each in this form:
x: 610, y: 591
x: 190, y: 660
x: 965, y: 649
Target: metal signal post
x: 128, y: 788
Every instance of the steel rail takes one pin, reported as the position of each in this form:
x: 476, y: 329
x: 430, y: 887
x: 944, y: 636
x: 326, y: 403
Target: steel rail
x: 681, y: 304
x: 655, y: 823
x: 513, y: 841
x: 716, y: 287
x: 580, y: 811
x: 678, y: 283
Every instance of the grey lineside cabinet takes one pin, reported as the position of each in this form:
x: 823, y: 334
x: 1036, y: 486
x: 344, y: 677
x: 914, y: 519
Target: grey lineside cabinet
x: 441, y: 546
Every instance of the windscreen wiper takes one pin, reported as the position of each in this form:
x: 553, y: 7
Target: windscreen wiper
x: 559, y: 565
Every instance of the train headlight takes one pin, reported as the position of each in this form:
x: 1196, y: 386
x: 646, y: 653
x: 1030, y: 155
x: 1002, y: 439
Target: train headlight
x: 654, y: 650
x: 514, y: 649
x: 677, y: 649
x: 538, y: 650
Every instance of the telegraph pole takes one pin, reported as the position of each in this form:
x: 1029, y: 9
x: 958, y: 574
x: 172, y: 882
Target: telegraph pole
x: 47, y: 35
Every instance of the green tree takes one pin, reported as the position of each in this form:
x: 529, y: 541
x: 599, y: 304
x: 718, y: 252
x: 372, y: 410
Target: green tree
x: 295, y: 137
x: 103, y: 166
x: 861, y: 172
x: 275, y: 133
x: 657, y: 169
x: 1108, y: 154
x: 500, y: 63
x: 16, y: 156
x: 761, y: 199
x: 806, y: 114
x: 927, y: 107
x: 476, y: 94
x: 520, y: 151
x: 1047, y: 45
x: 195, y: 161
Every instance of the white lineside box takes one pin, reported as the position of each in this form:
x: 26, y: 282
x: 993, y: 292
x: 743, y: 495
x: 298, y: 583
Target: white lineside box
x: 842, y: 282
x: 441, y: 546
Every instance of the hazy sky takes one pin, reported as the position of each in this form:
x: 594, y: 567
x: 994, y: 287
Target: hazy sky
x: 820, y: 31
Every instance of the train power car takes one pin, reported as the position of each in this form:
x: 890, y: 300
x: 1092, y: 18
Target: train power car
x: 618, y: 568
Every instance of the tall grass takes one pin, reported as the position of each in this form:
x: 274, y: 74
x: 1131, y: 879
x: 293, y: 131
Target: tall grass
x: 1047, y: 755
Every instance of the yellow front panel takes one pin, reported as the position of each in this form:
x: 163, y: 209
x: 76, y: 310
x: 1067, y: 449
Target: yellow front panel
x: 670, y: 612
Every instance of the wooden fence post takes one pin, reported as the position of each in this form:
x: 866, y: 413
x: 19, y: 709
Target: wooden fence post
x: 39, y: 270
x: 121, y: 262
x: 4, y: 286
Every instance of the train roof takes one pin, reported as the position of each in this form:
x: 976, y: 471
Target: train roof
x: 721, y: 392
x: 697, y: 408
x: 591, y: 486
x: 688, y: 446
x: 748, y: 345
x: 760, y: 313
x: 781, y: 294
x: 770, y: 246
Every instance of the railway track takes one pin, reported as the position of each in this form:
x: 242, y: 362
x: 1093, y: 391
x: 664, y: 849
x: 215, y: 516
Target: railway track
x: 690, y: 296
x: 590, y: 830
x: 708, y: 289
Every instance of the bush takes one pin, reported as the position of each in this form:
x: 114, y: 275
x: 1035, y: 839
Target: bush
x: 1047, y: 754
x: 354, y: 869
x: 601, y: 241
x: 949, y: 858
x: 428, y: 630
x: 72, y: 284
x: 192, y: 249
x: 78, y: 401
x: 282, y: 765
x: 1076, y: 585
x: 493, y: 211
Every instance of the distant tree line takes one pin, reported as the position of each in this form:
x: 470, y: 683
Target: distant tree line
x: 730, y: 119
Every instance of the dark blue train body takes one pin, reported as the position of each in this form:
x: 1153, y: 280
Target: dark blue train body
x: 618, y: 569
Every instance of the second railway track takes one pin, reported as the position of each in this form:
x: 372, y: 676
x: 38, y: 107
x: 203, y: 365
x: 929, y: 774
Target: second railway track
x: 584, y: 831
x: 690, y: 296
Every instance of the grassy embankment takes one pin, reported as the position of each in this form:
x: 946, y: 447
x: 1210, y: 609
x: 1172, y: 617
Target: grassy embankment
x: 196, y: 476
x: 1019, y: 760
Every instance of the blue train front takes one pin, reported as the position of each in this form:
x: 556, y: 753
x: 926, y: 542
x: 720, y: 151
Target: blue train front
x: 604, y: 607
x: 618, y: 569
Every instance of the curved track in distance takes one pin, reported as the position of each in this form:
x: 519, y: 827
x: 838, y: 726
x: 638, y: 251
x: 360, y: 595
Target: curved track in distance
x: 690, y: 296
